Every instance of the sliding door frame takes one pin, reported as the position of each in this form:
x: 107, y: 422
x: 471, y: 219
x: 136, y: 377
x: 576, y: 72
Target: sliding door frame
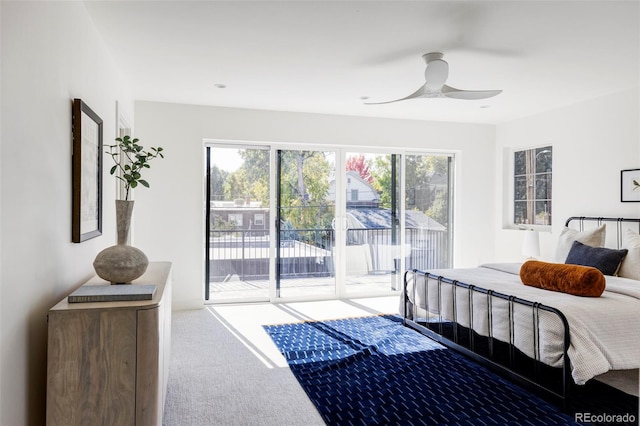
x: 207, y: 223
x: 340, y: 209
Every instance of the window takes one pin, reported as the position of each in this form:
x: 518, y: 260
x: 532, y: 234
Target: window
x: 258, y: 219
x: 235, y: 218
x: 354, y: 195
x: 532, y: 171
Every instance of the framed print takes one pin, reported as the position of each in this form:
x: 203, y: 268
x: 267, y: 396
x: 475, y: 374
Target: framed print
x: 630, y: 185
x: 86, y: 213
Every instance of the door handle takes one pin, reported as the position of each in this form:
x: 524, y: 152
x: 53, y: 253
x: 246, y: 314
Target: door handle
x: 345, y: 223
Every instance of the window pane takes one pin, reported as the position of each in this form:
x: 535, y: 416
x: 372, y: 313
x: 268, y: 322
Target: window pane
x: 543, y: 186
x: 543, y: 213
x: 543, y: 159
x: 427, y: 214
x: 236, y: 219
x: 520, y: 212
x: 520, y: 190
x: 306, y: 209
x: 238, y: 240
x: 520, y: 163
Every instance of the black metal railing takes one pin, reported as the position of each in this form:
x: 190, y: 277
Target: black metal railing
x: 309, y: 252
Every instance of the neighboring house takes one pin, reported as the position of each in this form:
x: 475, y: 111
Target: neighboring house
x: 359, y: 192
x: 239, y: 245
x: 422, y: 196
x: 246, y: 215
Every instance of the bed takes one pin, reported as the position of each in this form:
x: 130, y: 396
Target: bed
x: 544, y: 339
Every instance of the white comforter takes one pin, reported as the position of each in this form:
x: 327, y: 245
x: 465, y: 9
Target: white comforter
x: 604, y: 331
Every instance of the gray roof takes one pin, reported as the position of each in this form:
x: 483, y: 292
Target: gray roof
x: 371, y: 218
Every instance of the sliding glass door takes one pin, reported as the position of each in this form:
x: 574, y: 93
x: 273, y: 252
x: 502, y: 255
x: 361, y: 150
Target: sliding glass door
x: 428, y: 211
x: 372, y: 211
x: 237, y: 253
x: 317, y: 224
x: 386, y: 235
x: 306, y: 239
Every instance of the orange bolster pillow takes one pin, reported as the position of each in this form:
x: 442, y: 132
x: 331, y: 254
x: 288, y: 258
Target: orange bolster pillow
x: 572, y: 279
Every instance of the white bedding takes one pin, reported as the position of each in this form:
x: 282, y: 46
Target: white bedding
x: 604, y: 331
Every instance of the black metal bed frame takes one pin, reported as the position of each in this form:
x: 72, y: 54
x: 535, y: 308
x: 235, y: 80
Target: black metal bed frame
x: 619, y: 221
x: 502, y: 357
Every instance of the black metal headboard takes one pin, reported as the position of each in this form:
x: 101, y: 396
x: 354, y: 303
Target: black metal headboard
x: 621, y: 223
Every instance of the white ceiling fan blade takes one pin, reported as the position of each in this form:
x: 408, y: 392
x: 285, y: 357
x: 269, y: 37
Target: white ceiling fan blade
x: 417, y: 94
x: 436, y: 75
x: 451, y: 92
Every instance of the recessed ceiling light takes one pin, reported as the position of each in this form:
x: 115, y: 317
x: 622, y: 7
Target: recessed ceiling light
x: 485, y: 106
x: 220, y: 86
x: 364, y: 98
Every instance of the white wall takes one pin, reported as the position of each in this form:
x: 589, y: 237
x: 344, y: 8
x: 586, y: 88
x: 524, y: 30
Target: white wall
x: 51, y: 53
x: 169, y: 221
x: 592, y: 141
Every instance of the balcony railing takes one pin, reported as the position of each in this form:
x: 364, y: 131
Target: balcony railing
x: 309, y: 252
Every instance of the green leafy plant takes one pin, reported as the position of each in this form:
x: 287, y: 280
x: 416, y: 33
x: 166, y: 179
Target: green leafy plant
x: 131, y: 158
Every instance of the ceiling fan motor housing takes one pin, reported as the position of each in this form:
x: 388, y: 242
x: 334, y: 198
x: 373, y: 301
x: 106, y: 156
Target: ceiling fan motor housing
x: 436, y: 74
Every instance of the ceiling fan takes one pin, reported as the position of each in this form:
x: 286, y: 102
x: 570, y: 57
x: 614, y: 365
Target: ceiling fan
x: 436, y: 75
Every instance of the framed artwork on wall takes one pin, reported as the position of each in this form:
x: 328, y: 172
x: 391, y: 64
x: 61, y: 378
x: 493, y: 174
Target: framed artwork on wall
x: 86, y: 216
x: 630, y: 186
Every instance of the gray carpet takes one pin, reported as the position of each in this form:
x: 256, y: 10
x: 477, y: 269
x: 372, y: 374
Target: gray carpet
x: 215, y: 380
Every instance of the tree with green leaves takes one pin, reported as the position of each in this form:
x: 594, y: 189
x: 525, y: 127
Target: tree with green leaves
x: 304, y: 185
x: 255, y: 174
x: 421, y: 193
x: 217, y: 178
x: 304, y: 189
x: 381, y: 173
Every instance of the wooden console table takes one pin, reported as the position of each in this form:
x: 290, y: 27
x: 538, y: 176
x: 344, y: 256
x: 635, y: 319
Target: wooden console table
x: 108, y: 362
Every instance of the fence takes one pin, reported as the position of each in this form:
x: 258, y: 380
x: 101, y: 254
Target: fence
x: 309, y: 252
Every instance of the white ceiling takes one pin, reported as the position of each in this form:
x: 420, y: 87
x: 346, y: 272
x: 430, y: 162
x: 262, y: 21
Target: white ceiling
x: 322, y: 57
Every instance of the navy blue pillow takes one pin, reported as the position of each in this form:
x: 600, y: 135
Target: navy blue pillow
x: 606, y: 260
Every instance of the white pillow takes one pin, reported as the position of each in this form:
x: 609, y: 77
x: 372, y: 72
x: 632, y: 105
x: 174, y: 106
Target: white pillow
x: 591, y: 237
x: 630, y: 267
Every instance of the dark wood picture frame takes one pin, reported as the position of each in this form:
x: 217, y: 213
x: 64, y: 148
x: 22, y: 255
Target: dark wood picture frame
x: 86, y: 216
x: 630, y: 186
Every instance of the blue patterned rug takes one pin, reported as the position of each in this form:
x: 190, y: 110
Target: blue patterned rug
x: 375, y: 371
